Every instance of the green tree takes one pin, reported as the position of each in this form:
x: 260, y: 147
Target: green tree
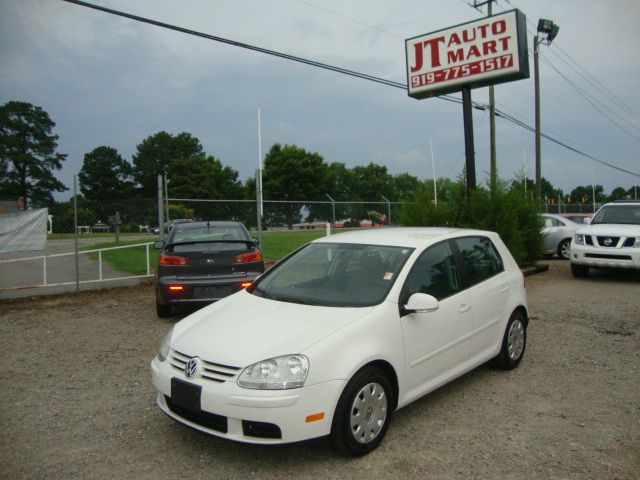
x: 584, y: 193
x: 292, y: 173
x: 203, y: 177
x: 503, y: 210
x: 618, y: 193
x: 105, y: 176
x: 28, y: 154
x: 156, y: 152
x: 406, y: 185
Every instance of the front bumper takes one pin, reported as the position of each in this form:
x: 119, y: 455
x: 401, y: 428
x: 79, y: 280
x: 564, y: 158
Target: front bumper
x: 251, y: 416
x: 601, y: 257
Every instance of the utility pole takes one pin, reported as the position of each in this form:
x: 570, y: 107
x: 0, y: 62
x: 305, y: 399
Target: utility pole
x: 536, y: 76
x: 550, y: 30
x: 493, y: 172
x: 492, y: 126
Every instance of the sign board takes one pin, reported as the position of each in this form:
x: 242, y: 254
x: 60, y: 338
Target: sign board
x: 475, y: 54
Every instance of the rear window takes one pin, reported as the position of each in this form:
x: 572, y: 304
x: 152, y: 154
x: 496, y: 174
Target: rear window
x: 208, y: 234
x: 213, y: 238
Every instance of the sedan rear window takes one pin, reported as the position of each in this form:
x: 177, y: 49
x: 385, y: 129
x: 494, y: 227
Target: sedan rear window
x: 212, y: 238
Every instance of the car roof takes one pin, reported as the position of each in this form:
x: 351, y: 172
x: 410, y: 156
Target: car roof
x: 402, y: 236
x: 210, y: 224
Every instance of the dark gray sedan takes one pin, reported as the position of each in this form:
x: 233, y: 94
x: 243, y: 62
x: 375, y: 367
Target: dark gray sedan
x: 202, y: 262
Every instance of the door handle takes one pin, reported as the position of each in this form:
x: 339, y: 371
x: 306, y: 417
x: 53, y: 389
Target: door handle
x: 504, y: 289
x: 464, y: 308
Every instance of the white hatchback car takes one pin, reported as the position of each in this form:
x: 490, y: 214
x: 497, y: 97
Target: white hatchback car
x: 341, y: 333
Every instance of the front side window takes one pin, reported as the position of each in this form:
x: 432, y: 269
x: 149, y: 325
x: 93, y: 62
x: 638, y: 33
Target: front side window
x: 434, y: 273
x: 480, y: 257
x: 334, y: 274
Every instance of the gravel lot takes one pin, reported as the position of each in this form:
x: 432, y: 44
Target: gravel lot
x: 77, y: 400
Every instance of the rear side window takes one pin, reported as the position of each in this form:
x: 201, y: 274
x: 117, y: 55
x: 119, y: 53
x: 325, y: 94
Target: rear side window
x: 434, y: 273
x: 480, y: 257
x: 551, y: 222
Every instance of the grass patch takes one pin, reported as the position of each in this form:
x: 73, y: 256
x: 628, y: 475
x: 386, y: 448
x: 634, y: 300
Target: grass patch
x: 279, y: 244
x: 129, y: 260
x: 133, y: 260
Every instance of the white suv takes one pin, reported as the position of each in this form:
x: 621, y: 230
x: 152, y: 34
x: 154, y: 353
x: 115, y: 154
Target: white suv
x: 611, y: 240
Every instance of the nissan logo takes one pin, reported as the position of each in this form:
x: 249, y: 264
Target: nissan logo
x: 192, y: 367
x: 608, y: 242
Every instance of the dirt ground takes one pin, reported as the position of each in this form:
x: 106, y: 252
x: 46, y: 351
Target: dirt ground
x: 77, y: 399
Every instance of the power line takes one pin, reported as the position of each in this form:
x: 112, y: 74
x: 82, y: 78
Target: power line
x: 592, y: 80
x: 309, y: 4
x: 352, y: 73
x: 240, y: 44
x: 582, y: 93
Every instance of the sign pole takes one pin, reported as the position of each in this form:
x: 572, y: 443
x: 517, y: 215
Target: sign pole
x: 470, y: 154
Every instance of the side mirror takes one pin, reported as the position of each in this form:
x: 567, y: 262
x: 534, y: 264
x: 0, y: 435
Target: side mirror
x: 256, y: 242
x: 421, y: 303
x: 586, y: 220
x: 158, y: 245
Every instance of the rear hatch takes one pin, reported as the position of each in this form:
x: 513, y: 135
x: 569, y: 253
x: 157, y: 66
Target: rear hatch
x: 209, y: 259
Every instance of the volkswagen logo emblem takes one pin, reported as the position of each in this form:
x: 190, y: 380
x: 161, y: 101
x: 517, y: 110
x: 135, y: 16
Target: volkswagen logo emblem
x: 210, y: 260
x: 608, y: 242
x: 192, y: 367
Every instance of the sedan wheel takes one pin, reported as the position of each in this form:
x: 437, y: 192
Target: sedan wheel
x: 363, y: 413
x: 564, y: 249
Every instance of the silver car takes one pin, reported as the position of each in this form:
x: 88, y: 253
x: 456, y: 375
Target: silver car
x: 558, y: 232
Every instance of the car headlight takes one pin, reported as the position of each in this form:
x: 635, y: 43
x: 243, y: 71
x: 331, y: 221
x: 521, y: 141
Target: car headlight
x: 163, y: 351
x: 279, y: 373
x: 579, y: 239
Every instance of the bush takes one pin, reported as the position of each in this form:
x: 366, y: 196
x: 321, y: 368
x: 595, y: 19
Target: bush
x: 505, y: 211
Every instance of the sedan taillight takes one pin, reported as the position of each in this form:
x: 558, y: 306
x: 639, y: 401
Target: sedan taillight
x: 173, y: 260
x: 248, y: 257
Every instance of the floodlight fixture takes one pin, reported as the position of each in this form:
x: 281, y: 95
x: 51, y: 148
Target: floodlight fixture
x: 548, y: 28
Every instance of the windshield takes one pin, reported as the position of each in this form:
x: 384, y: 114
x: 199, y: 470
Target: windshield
x: 625, y: 214
x: 335, y: 275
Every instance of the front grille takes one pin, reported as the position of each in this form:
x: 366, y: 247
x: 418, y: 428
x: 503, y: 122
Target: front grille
x: 629, y: 242
x: 607, y: 257
x: 613, y: 241
x: 202, y: 418
x: 589, y: 240
x: 216, y: 372
x: 260, y: 429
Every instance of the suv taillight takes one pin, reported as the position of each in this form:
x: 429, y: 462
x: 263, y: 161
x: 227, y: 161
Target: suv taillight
x: 173, y: 260
x: 248, y: 257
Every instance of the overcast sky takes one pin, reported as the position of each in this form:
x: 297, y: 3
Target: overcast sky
x: 106, y: 80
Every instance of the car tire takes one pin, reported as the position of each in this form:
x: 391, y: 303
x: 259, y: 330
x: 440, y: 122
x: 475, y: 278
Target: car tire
x: 163, y: 311
x: 579, y: 271
x: 564, y: 249
x: 514, y: 342
x: 363, y: 413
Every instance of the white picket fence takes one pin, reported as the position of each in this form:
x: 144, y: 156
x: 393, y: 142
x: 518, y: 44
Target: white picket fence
x: 17, y: 273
